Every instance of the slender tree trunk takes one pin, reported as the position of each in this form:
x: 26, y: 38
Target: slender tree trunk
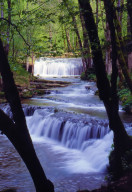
x: 107, y: 93
x: 63, y: 37
x: 69, y: 46
x: 129, y: 9
x: 97, y: 13
x: 87, y: 62
x: 120, y: 12
x: 121, y: 48
x: 108, y: 50
x: 129, y: 28
x: 8, y: 27
x: 17, y: 131
x: 50, y: 36
x: 74, y: 24
x: 2, y: 14
x: 76, y: 31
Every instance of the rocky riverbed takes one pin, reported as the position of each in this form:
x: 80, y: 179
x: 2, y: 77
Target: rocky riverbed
x: 36, y: 86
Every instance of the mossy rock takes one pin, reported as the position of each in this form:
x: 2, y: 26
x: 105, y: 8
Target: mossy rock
x: 97, y: 92
x: 26, y: 94
x: 2, y: 94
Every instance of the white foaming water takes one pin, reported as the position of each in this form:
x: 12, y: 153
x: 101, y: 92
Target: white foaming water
x: 84, y: 144
x: 58, y: 67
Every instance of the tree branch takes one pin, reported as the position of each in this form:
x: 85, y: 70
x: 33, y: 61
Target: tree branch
x: 15, y: 26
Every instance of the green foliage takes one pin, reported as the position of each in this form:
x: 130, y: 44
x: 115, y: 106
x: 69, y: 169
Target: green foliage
x: 88, y: 75
x: 126, y: 99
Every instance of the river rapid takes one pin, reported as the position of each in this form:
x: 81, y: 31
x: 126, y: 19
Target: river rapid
x: 70, y: 132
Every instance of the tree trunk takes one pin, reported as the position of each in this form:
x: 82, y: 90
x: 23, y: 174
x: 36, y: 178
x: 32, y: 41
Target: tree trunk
x: 2, y: 15
x: 8, y: 27
x: 121, y: 48
x: 129, y: 9
x: 17, y: 131
x: 107, y: 93
x: 120, y: 12
x: 74, y: 23
x: 87, y: 62
x: 76, y: 31
x: 108, y: 50
x: 97, y: 13
x: 68, y: 40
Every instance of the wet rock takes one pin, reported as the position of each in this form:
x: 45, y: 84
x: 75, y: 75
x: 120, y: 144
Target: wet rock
x: 9, y: 190
x: 88, y: 87
x: 97, y: 92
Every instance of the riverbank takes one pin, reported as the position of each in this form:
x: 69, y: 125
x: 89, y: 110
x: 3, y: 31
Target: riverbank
x: 124, y: 184
x: 29, y: 86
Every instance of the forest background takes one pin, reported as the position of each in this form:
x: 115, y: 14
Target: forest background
x: 30, y: 29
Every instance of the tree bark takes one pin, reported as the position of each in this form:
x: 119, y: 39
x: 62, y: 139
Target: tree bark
x: 8, y: 28
x: 108, y: 50
x: 129, y: 9
x: 107, y: 93
x: 17, y: 131
x: 68, y: 40
x: 81, y: 47
x: 74, y: 23
x: 2, y: 15
x: 121, y: 49
x: 87, y: 62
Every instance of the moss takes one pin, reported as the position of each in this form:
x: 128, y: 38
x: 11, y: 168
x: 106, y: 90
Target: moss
x: 126, y: 99
x: 89, y: 75
x: 126, y: 164
x: 26, y: 94
x: 2, y: 94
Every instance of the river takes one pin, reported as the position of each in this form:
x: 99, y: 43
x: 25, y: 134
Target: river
x: 70, y: 132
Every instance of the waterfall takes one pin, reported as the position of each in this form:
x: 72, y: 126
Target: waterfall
x: 86, y: 139
x: 69, y: 131
x: 89, y: 136
x: 58, y: 67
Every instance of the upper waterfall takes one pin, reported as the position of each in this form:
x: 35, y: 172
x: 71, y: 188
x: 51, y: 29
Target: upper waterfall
x: 58, y: 67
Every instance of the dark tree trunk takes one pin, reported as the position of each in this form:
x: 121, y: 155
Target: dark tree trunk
x: 120, y: 11
x: 107, y: 93
x: 108, y: 50
x: 17, y: 131
x: 97, y: 13
x: 129, y: 9
x: 2, y: 15
x: 121, y: 48
x: 8, y: 27
x: 87, y: 62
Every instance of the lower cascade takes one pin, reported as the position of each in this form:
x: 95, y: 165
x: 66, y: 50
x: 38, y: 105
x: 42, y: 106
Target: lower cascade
x: 91, y: 137
x: 71, y: 137
x: 69, y: 131
x: 58, y: 67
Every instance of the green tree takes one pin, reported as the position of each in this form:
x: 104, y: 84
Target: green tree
x: 107, y: 90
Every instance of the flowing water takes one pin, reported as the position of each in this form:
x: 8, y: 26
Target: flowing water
x: 70, y: 132
x: 58, y: 67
